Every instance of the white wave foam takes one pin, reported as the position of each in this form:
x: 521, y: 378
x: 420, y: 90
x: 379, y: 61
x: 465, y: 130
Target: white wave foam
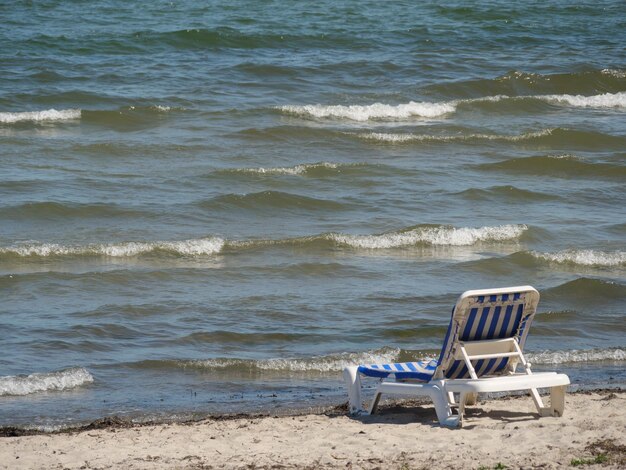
x: 314, y: 364
x: 432, y: 235
x: 403, y: 138
x: 47, y: 115
x: 330, y: 364
x: 158, y: 108
x: 376, y: 111
x: 614, y: 73
x: 606, y: 100
x: 43, y: 382
x: 566, y: 156
x: 463, y: 236
x: 336, y: 363
x: 297, y: 170
x: 398, y: 138
x: 387, y: 112
x: 203, y: 246
x: 588, y: 355
x: 584, y: 257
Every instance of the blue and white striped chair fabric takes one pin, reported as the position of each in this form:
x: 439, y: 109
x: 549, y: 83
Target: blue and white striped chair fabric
x: 422, y: 370
x: 478, y: 318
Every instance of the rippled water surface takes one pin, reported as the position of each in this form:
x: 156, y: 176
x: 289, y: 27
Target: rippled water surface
x: 215, y: 207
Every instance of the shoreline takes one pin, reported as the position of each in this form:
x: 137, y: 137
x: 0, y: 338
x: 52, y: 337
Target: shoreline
x: 404, y: 435
x: 120, y: 422
x: 114, y: 421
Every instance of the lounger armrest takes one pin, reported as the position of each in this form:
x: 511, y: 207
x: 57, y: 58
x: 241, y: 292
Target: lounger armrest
x: 507, y: 383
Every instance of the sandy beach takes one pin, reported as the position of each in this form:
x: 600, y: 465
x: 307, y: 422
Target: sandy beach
x: 496, y: 434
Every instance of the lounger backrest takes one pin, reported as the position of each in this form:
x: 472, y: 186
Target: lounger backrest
x: 483, y: 315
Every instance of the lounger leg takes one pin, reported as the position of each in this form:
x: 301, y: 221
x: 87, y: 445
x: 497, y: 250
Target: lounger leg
x: 375, y: 401
x: 557, y: 400
x: 353, y: 383
x: 471, y: 399
x: 541, y: 409
x: 443, y: 409
x: 463, y: 399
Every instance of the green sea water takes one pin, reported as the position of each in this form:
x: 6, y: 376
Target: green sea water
x: 214, y: 207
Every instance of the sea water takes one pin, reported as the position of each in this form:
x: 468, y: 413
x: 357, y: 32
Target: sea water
x: 211, y: 207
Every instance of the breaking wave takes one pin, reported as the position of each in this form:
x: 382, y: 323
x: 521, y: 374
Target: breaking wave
x: 296, y: 170
x: 334, y: 363
x: 584, y: 257
x: 396, y: 138
x: 37, y: 116
x: 329, y: 363
x: 440, y: 235
x: 44, y: 382
x: 203, y: 246
x: 320, y: 363
x: 577, y: 356
x: 376, y: 111
x: 557, y: 137
x: 123, y: 116
x: 606, y: 100
x: 422, y: 109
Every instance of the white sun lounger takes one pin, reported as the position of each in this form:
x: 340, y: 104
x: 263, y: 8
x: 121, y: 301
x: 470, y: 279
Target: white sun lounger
x: 480, y: 353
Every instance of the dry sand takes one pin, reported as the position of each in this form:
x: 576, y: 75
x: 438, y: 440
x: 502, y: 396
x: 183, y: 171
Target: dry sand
x: 496, y: 433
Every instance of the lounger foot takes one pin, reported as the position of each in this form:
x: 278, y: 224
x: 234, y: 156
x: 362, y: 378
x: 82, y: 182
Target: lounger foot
x: 557, y: 403
x: 452, y: 422
x: 557, y: 400
x: 375, y: 401
x: 353, y: 384
x: 443, y: 408
x: 471, y: 399
x: 546, y: 411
